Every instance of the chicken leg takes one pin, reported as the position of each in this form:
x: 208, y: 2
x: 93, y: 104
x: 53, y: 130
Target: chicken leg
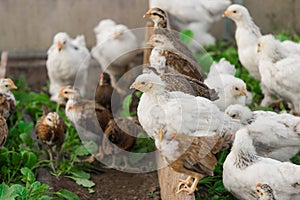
x: 189, y: 189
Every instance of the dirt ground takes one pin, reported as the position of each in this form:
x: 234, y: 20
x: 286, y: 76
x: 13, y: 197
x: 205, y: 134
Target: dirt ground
x: 109, y: 185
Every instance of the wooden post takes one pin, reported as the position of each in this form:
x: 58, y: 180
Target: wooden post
x: 3, y: 64
x: 147, y: 49
x: 168, y: 181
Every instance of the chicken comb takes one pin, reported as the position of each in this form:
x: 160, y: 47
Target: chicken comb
x: 258, y: 184
x: 10, y: 81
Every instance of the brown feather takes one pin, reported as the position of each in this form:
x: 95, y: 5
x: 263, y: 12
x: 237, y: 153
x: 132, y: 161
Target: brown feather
x: 3, y: 131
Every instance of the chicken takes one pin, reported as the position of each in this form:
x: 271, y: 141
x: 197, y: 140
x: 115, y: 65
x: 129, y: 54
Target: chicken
x: 264, y: 192
x: 166, y: 57
x: 168, y: 50
x: 183, y: 83
x: 230, y: 89
x: 3, y: 131
x: 7, y: 99
x: 274, y: 135
x: 89, y: 118
x: 116, y: 48
x: 175, y: 121
x: 193, y: 156
x: 50, y: 129
x: 195, y: 15
x: 243, y: 169
x: 181, y: 113
x: 247, y: 35
x: 66, y: 58
x: 105, y: 94
x: 121, y: 136
x: 221, y: 67
x: 279, y: 71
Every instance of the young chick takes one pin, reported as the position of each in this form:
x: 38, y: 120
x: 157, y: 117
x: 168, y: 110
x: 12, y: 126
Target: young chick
x: 121, y: 135
x: 194, y: 15
x: 89, y: 118
x: 116, y: 48
x: 230, y: 89
x: 167, y: 57
x: 243, y: 169
x: 264, y: 192
x: 104, y: 92
x: 3, y: 131
x: 247, y: 35
x: 279, y: 71
x: 50, y: 130
x: 66, y: 57
x: 169, y: 50
x: 274, y: 135
x: 7, y: 99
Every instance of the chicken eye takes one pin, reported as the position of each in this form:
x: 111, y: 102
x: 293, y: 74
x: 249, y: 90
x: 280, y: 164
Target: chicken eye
x: 143, y: 83
x: 64, y: 42
x: 236, y: 88
x: 234, y: 115
x: 65, y: 92
x: 6, y: 85
x: 49, y: 119
x: 234, y: 11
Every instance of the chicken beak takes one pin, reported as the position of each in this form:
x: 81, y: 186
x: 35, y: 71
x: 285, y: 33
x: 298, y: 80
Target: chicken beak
x: 160, y: 135
x: 258, y: 49
x: 147, y: 14
x: 226, y: 13
x: 59, y: 45
x: 133, y: 86
x: 13, y: 86
x: 116, y: 34
x: 243, y: 92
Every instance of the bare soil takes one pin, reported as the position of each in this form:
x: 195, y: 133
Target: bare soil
x: 109, y: 185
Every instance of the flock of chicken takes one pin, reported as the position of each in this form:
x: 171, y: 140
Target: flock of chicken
x: 190, y: 115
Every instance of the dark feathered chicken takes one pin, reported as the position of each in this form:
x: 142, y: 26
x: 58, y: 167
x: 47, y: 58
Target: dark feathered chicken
x: 50, y: 130
x: 120, y: 135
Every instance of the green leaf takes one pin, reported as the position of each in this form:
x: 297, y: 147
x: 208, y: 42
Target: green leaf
x: 16, y: 158
x: 28, y: 175
x: 6, y: 192
x: 83, y: 181
x: 66, y: 194
x: 80, y: 174
x: 31, y: 159
x: 186, y: 36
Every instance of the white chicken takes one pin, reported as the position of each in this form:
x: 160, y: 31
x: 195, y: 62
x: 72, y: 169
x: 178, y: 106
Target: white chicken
x: 246, y: 35
x: 66, y: 57
x: 243, y: 169
x: 231, y: 90
x: 274, y: 135
x: 195, y: 15
x: 115, y: 49
x: 279, y: 71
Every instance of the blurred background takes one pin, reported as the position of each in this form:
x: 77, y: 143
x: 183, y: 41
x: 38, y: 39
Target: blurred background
x: 30, y: 25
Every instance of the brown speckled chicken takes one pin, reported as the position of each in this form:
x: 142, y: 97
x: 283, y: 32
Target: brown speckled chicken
x: 7, y: 99
x: 197, y: 158
x: 50, y: 130
x: 89, y: 118
x: 3, y: 131
x: 121, y: 134
x: 104, y: 92
x: 169, y: 50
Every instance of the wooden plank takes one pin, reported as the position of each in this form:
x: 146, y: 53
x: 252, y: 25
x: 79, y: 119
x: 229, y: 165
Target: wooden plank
x: 168, y: 181
x: 3, y: 64
x: 148, y: 49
